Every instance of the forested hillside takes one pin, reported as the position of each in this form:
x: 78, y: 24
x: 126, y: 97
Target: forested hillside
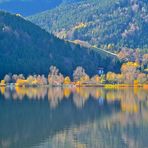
x: 26, y: 48
x: 103, y: 23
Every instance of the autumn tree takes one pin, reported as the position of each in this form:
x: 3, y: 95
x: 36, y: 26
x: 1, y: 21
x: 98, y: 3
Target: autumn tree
x: 14, y: 78
x: 102, y: 79
x: 110, y: 47
x: 111, y: 77
x: 2, y: 83
x: 120, y: 78
x: 142, y: 78
x: 84, y: 78
x: 78, y: 73
x: 21, y: 76
x: 67, y: 80
x: 41, y: 80
x: 31, y: 80
x: 44, y: 80
x: 145, y: 61
x: 129, y: 71
x: 21, y: 82
x: 95, y: 79
x: 55, y: 78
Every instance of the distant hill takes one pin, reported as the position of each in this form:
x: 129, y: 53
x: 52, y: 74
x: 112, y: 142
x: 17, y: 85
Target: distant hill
x: 28, y: 49
x: 30, y: 7
x: 119, y: 23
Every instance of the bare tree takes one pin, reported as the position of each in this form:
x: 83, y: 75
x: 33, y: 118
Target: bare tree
x: 55, y: 78
x: 78, y: 73
x: 7, y: 78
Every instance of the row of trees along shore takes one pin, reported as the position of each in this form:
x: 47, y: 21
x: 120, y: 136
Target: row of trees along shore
x: 130, y: 76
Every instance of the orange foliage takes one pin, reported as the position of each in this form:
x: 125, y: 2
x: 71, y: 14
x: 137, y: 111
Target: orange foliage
x: 145, y: 86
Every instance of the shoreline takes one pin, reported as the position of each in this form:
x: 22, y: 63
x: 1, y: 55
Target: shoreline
x: 106, y: 86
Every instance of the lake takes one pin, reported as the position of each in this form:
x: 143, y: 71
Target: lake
x: 73, y: 118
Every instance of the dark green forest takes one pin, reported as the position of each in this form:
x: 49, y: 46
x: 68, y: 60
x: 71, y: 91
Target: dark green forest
x: 120, y: 23
x: 28, y: 49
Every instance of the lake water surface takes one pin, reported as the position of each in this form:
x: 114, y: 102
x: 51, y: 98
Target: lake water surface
x: 73, y: 118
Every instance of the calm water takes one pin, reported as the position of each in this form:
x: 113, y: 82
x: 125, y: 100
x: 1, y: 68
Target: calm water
x: 73, y: 118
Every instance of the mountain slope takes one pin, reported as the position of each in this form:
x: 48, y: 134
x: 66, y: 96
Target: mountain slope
x: 30, y: 7
x: 99, y: 22
x: 27, y: 49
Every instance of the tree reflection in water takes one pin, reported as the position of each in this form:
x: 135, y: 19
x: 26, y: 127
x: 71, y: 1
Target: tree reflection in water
x: 129, y: 98
x: 73, y: 117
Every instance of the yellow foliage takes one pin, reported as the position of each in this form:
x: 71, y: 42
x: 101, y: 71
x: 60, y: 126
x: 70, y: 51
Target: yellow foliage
x: 120, y: 78
x: 136, y: 64
x: 129, y: 65
x: 110, y: 96
x: 78, y: 83
x: 110, y: 46
x: 84, y: 78
x: 20, y: 82
x: 135, y: 83
x: 110, y: 76
x: 34, y: 82
x: 131, y: 108
x: 67, y: 80
x: 20, y: 91
x: 77, y: 90
x: 84, y: 94
x: 2, y: 90
x: 79, y: 26
x: 2, y: 83
x: 67, y: 92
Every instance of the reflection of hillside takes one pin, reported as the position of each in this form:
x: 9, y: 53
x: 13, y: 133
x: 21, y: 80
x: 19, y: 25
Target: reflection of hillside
x: 115, y: 131
x: 26, y: 123
x: 74, y: 117
x: 103, y: 133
